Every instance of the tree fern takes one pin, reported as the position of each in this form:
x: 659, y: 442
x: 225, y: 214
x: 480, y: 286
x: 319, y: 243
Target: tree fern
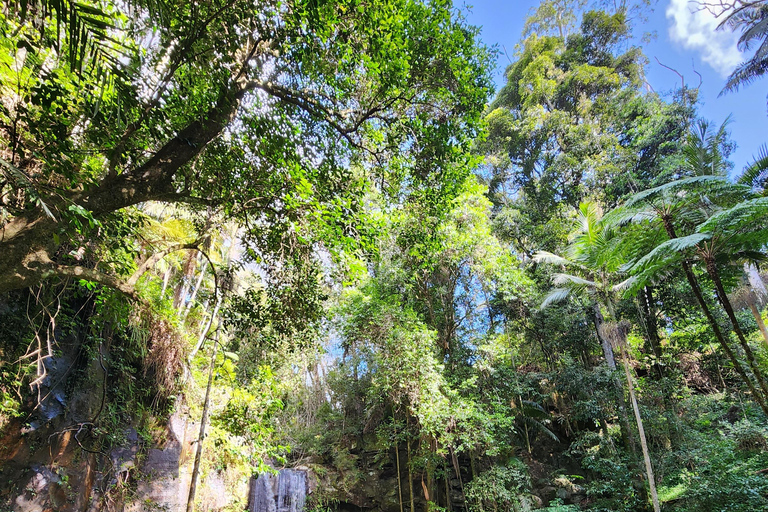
x: 668, y: 252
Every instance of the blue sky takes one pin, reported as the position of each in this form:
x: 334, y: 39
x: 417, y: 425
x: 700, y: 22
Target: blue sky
x: 685, y: 40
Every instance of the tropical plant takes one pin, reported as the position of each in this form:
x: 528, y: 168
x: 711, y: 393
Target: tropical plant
x: 591, y: 251
x: 750, y: 17
x: 717, y: 227
x: 592, y: 271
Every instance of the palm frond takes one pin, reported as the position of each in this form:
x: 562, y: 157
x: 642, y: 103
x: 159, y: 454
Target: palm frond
x: 755, y: 174
x: 674, y: 187
x: 623, y: 216
x: 555, y: 296
x: 744, y: 74
x: 534, y: 409
x: 752, y: 19
x: 568, y: 279
x: 551, y: 259
x: 86, y: 35
x: 538, y: 425
x: 22, y: 181
x: 745, y: 216
x: 625, y: 285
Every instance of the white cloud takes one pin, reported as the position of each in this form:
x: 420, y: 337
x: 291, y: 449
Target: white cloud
x: 694, y: 28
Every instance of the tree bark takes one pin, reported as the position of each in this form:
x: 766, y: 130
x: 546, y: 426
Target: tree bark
x: 621, y: 339
x: 410, y: 474
x: 759, y: 321
x: 604, y: 342
x: 760, y: 296
x: 693, y: 282
x: 399, y: 479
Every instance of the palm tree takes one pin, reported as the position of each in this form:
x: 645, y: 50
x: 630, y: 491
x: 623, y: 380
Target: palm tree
x: 698, y: 205
x: 591, y: 255
x: 751, y: 18
x: 589, y: 273
x: 755, y: 176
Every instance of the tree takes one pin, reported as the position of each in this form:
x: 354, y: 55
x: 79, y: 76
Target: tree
x: 590, y: 251
x: 572, y: 124
x: 591, y: 272
x: 263, y: 111
x: 684, y: 204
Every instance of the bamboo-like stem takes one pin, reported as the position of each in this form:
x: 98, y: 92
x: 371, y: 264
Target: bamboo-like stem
x: 203, y: 421
x: 399, y: 480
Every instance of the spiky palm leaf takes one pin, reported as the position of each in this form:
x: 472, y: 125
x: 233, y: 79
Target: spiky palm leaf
x: 534, y: 415
x: 702, y: 153
x: 676, y: 188
x: 624, y: 216
x: 755, y: 174
x: 743, y: 227
x: 87, y: 36
x: 552, y: 259
x: 752, y: 19
x: 555, y: 296
x: 572, y: 281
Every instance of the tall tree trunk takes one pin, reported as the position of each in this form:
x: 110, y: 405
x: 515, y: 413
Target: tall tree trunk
x: 726, y: 303
x: 721, y: 338
x: 457, y: 469
x: 604, y: 342
x: 694, y: 283
x: 648, y: 319
x: 166, y: 278
x: 621, y: 331
x: 447, y: 492
x: 758, y: 297
x: 410, y: 474
x: 648, y: 306
x: 759, y: 321
x: 204, y: 332
x: 194, y: 291
x: 600, y: 325
x: 399, y: 479
x: 186, y: 274
x: 755, y: 281
x: 201, y: 437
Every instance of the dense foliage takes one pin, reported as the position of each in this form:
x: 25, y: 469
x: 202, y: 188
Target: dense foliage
x: 300, y: 225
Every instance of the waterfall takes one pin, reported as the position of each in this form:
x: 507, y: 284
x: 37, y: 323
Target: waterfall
x: 284, y: 492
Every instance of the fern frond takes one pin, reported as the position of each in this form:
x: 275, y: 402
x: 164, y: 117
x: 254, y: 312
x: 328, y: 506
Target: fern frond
x: 668, y: 252
x: 745, y: 216
x: 674, y: 187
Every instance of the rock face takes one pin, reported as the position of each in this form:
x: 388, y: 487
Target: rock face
x: 52, y: 463
x: 167, y: 476
x: 284, y: 492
